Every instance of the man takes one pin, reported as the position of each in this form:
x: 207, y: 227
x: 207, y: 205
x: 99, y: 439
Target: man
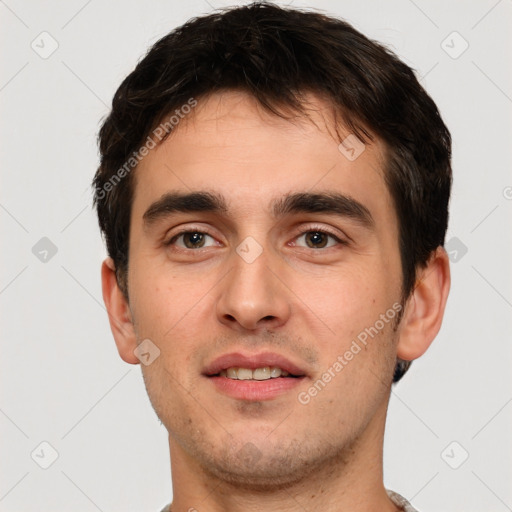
x: 273, y: 192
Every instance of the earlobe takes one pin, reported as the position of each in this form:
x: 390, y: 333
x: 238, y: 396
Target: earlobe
x: 119, y: 313
x: 425, y: 307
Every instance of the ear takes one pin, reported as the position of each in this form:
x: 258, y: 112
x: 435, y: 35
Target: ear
x: 425, y: 307
x: 119, y: 314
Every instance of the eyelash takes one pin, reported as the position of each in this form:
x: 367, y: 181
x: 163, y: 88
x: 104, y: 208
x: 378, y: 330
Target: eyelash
x: 309, y: 229
x: 324, y: 231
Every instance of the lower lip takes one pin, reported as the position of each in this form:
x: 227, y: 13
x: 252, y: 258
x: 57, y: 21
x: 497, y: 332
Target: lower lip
x: 255, y: 389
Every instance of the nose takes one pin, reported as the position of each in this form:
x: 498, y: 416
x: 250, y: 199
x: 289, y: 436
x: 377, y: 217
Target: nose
x: 253, y: 296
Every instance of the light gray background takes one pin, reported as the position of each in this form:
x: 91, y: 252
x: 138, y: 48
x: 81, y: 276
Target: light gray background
x: 62, y: 380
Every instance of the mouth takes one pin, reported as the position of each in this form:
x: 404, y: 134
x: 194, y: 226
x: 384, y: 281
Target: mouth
x: 263, y: 373
x: 254, y: 377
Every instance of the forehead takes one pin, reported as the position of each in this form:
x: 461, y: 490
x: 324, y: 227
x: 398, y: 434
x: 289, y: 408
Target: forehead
x: 228, y: 143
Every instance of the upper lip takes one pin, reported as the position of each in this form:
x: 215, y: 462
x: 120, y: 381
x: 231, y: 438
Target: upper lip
x: 237, y: 359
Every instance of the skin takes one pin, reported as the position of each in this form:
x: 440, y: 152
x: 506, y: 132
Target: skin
x: 306, y: 302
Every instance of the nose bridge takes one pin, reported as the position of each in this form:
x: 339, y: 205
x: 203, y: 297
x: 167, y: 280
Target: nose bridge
x: 251, y: 295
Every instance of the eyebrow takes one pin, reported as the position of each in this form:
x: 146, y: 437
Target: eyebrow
x: 323, y: 202
x: 185, y: 203
x: 302, y: 202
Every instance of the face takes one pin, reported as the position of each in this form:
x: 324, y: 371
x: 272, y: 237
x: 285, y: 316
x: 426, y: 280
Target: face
x: 290, y: 263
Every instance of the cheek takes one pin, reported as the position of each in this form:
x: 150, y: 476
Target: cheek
x: 153, y: 312
x: 168, y: 395
x: 172, y: 310
x: 160, y: 299
x: 345, y: 320
x: 344, y: 302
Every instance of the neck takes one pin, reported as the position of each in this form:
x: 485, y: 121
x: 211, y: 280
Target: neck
x: 350, y: 480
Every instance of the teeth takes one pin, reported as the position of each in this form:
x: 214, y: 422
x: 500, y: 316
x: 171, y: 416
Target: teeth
x: 276, y: 372
x: 244, y: 374
x: 265, y: 373
x: 261, y: 373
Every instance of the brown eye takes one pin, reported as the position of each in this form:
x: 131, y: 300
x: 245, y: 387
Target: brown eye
x: 191, y: 240
x: 317, y: 239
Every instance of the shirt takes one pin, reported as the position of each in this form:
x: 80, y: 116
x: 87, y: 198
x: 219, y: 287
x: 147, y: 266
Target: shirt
x: 398, y: 500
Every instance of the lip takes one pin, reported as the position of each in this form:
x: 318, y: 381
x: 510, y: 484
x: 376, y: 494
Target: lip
x: 254, y: 390
x: 237, y: 359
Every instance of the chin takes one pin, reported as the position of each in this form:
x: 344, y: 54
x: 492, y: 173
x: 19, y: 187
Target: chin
x: 272, y: 468
x: 261, y: 477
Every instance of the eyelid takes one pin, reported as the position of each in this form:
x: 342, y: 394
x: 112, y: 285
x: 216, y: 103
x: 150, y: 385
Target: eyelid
x: 339, y: 237
x: 188, y: 229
